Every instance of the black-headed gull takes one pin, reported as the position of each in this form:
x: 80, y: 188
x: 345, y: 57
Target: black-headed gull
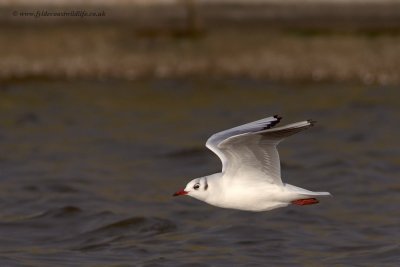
x: 251, y: 175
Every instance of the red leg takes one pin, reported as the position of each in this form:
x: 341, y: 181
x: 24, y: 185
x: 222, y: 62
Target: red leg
x: 305, y: 201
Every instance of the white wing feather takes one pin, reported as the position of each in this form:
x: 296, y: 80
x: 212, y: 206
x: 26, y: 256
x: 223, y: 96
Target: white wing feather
x: 217, y: 138
x: 249, y: 151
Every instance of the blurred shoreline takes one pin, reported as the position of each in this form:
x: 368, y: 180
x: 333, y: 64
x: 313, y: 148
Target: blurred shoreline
x: 283, y: 41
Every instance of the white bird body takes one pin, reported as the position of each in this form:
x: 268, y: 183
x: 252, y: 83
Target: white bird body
x: 250, y: 178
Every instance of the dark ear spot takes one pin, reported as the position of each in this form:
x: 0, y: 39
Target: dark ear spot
x: 206, y: 185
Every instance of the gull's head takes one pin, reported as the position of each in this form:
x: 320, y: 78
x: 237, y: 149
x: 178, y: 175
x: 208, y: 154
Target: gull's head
x: 196, y: 188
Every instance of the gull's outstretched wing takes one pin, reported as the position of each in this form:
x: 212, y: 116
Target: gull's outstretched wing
x: 250, y: 150
x: 255, y: 126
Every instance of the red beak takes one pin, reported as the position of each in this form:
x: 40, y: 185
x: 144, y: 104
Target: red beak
x: 180, y: 193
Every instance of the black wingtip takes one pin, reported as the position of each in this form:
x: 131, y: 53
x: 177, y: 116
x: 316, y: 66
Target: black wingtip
x: 278, y: 119
x: 311, y: 122
x: 273, y: 123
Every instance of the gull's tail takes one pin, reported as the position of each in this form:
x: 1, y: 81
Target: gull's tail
x: 305, y: 192
x: 307, y: 197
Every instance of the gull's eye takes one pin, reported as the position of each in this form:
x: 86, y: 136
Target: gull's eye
x: 196, y: 186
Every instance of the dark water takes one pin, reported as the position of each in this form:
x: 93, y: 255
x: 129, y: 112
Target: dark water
x: 87, y: 170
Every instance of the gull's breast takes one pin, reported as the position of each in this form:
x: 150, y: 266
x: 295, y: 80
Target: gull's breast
x: 252, y: 198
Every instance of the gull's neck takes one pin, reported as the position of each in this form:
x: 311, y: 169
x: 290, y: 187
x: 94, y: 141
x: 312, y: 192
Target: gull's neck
x: 215, y: 188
